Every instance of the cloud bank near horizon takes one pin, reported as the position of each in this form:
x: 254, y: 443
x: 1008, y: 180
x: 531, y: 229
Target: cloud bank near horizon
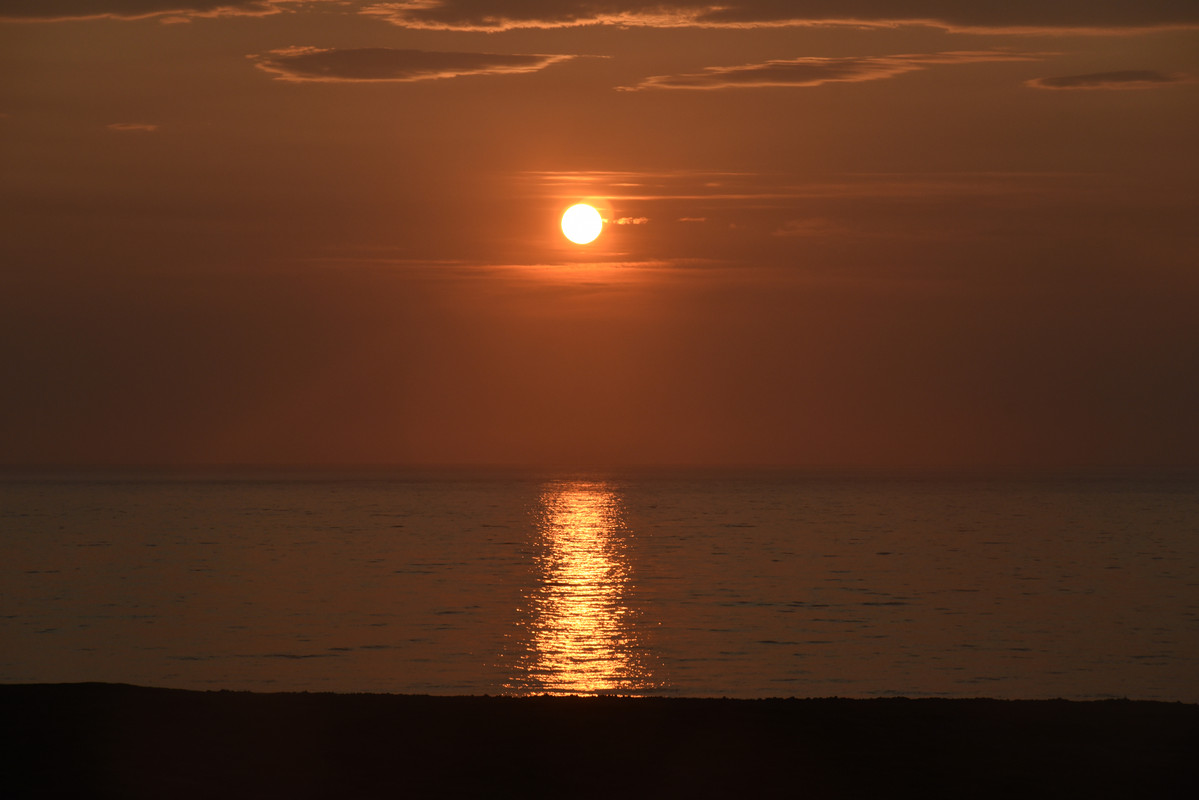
x: 132, y: 127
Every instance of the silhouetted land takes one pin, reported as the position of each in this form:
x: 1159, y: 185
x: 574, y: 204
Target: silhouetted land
x: 104, y: 740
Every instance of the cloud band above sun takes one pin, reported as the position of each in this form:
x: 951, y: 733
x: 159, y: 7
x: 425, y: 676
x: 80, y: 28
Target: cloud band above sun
x: 387, y: 64
x: 989, y: 15
x: 55, y: 10
x: 985, y: 16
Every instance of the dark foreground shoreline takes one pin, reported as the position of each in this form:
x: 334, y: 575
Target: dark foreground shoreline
x: 106, y: 740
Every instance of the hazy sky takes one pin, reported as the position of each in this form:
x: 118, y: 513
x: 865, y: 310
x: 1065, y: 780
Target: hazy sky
x: 840, y: 234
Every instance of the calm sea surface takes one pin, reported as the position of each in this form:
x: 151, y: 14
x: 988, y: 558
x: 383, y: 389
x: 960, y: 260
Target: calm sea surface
x: 743, y: 587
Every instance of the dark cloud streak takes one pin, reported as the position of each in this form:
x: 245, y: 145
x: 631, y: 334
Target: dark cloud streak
x: 1123, y: 79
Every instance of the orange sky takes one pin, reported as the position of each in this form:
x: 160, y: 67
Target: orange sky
x: 269, y: 232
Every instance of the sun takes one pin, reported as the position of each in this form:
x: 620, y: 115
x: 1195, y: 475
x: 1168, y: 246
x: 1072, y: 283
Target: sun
x: 582, y: 223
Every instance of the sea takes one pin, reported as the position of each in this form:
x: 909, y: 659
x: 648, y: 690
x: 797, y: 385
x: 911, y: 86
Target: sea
x: 692, y: 584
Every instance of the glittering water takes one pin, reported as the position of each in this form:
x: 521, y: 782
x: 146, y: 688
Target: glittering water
x: 743, y: 586
x: 580, y: 633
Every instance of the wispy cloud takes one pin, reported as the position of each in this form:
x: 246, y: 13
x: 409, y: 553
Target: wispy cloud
x: 632, y: 220
x: 133, y: 127
x: 814, y: 71
x: 386, y: 64
x: 788, y: 206
x: 172, y: 10
x: 1123, y: 79
x: 1014, y: 16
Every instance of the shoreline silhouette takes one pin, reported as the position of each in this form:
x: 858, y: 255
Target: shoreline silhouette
x: 117, y: 740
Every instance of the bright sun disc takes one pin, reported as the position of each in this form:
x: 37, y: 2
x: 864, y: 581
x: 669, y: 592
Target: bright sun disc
x: 581, y: 223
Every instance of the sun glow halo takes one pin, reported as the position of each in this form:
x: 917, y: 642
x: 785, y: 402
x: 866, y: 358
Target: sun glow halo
x: 582, y: 223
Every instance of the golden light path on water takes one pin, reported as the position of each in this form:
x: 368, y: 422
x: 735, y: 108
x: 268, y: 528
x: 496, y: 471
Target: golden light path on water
x: 582, y: 632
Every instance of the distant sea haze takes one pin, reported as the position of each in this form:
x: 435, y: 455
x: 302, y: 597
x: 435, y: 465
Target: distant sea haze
x: 743, y: 586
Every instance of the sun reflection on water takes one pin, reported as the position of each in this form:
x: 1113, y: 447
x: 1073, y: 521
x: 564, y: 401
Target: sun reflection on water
x: 581, y: 632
